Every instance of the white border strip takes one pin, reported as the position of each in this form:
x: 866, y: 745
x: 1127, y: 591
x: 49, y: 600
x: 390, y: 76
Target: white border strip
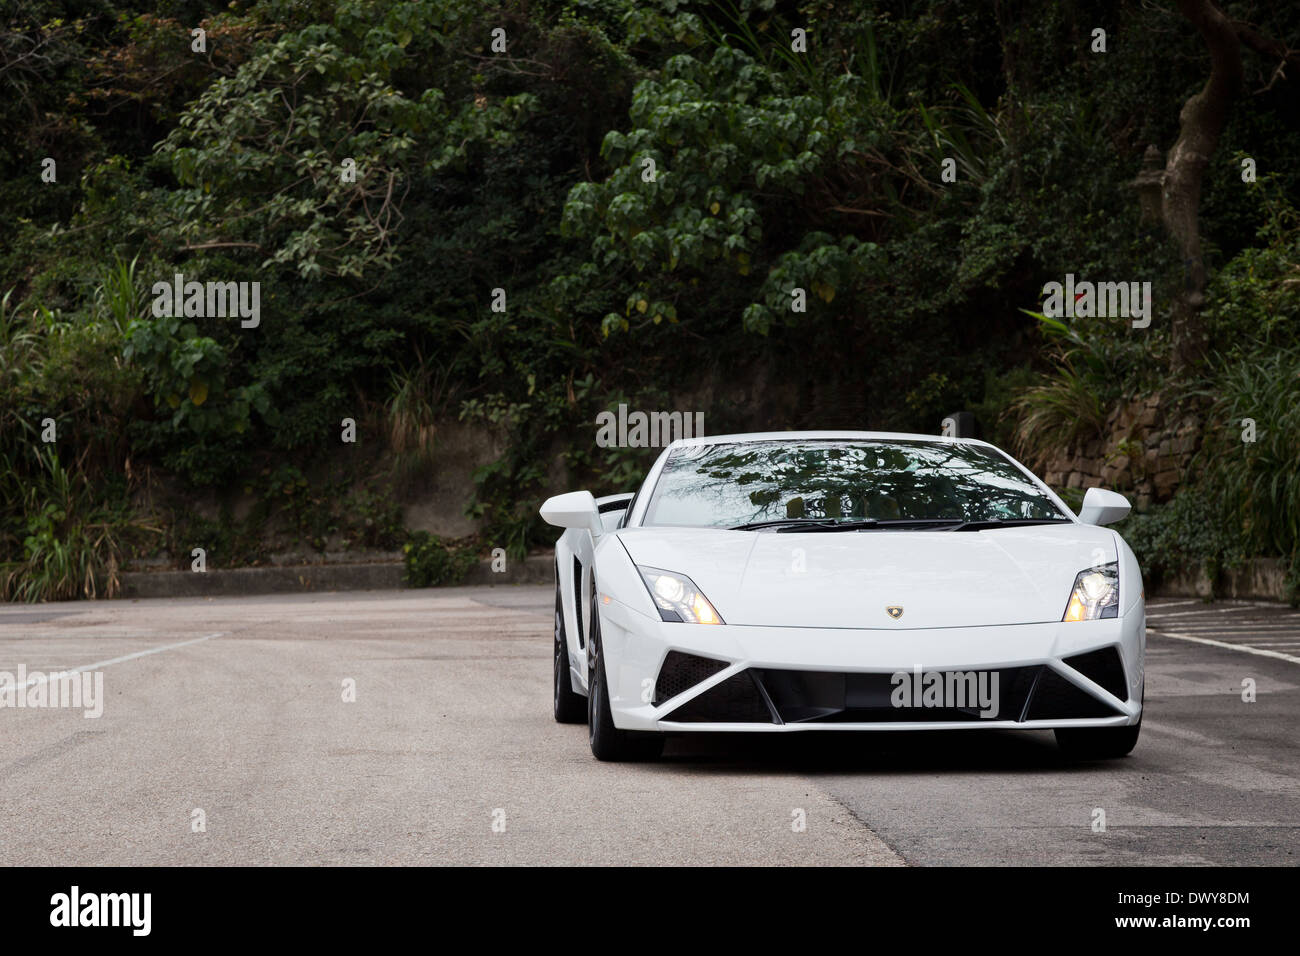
x: 42, y: 678
x: 1258, y: 651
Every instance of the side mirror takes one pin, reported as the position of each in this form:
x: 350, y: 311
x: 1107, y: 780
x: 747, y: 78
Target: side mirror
x: 577, y: 509
x: 1103, y: 507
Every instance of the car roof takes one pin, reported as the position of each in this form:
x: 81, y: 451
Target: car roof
x: 823, y: 436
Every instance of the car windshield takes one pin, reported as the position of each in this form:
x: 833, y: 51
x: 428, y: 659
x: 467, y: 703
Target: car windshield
x: 832, y: 481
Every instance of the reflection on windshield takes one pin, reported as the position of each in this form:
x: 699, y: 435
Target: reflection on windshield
x: 726, y: 485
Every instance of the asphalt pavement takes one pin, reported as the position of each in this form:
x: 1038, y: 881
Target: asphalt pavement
x: 414, y: 727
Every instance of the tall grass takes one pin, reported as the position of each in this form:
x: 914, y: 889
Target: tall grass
x: 64, y: 514
x: 1260, y: 479
x: 71, y: 541
x: 1067, y: 405
x: 1059, y: 412
x: 118, y: 297
x: 417, y: 397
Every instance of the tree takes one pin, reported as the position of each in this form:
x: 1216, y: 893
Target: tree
x: 1201, y: 120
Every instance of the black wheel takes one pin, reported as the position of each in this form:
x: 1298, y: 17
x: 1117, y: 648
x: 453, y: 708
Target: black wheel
x: 607, y: 741
x: 1101, y: 743
x: 570, y: 708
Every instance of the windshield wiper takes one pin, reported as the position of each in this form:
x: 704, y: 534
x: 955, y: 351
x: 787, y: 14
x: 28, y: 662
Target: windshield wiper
x: 862, y: 524
x: 790, y: 525
x: 980, y: 525
x: 782, y: 523
x: 851, y: 525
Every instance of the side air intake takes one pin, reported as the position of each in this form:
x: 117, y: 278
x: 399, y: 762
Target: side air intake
x: 737, y: 700
x: 1104, y: 668
x: 681, y: 672
x: 1056, y: 698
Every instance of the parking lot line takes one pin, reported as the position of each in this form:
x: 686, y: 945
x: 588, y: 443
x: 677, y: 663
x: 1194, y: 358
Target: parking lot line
x: 1208, y: 610
x: 43, y: 677
x: 1247, y: 648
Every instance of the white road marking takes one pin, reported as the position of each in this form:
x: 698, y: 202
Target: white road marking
x: 1257, y: 651
x: 1230, y: 628
x: 1208, y: 610
x: 43, y: 677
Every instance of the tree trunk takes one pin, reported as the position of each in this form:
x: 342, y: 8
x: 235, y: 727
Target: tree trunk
x: 1201, y: 122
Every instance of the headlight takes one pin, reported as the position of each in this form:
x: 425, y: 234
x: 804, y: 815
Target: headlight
x: 677, y: 597
x: 1095, y: 594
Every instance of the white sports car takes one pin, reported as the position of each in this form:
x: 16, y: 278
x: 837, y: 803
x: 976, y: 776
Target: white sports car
x: 804, y: 581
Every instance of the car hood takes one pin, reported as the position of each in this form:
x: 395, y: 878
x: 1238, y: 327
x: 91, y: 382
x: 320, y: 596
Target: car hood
x: 847, y: 579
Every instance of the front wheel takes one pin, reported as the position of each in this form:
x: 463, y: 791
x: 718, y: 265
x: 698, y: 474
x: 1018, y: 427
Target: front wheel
x: 607, y: 741
x: 1100, y: 743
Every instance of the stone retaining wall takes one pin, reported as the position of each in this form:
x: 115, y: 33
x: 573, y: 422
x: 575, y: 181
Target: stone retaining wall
x: 1141, y: 452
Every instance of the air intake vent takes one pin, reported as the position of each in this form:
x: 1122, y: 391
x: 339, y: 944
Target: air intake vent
x: 682, y: 672
x: 736, y: 700
x: 577, y: 600
x: 1103, y: 667
x: 834, y: 697
x: 1056, y: 698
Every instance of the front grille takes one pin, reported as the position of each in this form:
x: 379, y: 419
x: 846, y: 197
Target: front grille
x: 788, y: 696
x: 830, y: 697
x: 681, y: 672
x: 1104, y: 668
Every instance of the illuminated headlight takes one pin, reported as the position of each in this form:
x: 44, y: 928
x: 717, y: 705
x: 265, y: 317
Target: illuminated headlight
x: 677, y: 597
x: 1095, y: 594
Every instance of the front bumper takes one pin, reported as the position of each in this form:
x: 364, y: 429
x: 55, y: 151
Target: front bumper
x: 782, y: 679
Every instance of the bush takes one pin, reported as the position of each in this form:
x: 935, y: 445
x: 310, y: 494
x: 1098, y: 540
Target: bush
x: 72, y: 533
x: 1193, y: 531
x: 430, y: 562
x: 1259, y: 478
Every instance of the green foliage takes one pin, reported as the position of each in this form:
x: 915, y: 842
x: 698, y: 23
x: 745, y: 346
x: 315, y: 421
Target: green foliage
x: 72, y: 533
x: 1244, y: 496
x: 184, y: 370
x: 1259, y: 480
x: 430, y: 562
x: 261, y: 155
x: 372, y: 519
x: 1190, y: 533
x: 774, y: 171
x: 1057, y: 413
x: 416, y: 402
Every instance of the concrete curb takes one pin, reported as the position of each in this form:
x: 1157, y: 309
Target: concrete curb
x: 1262, y: 579
x: 535, y: 569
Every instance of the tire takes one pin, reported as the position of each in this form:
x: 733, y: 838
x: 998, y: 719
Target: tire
x: 1098, y: 743
x: 607, y: 741
x: 1101, y: 743
x: 570, y: 707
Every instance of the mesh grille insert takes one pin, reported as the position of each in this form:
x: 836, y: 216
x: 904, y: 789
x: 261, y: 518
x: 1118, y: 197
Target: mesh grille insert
x: 735, y: 700
x: 681, y: 672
